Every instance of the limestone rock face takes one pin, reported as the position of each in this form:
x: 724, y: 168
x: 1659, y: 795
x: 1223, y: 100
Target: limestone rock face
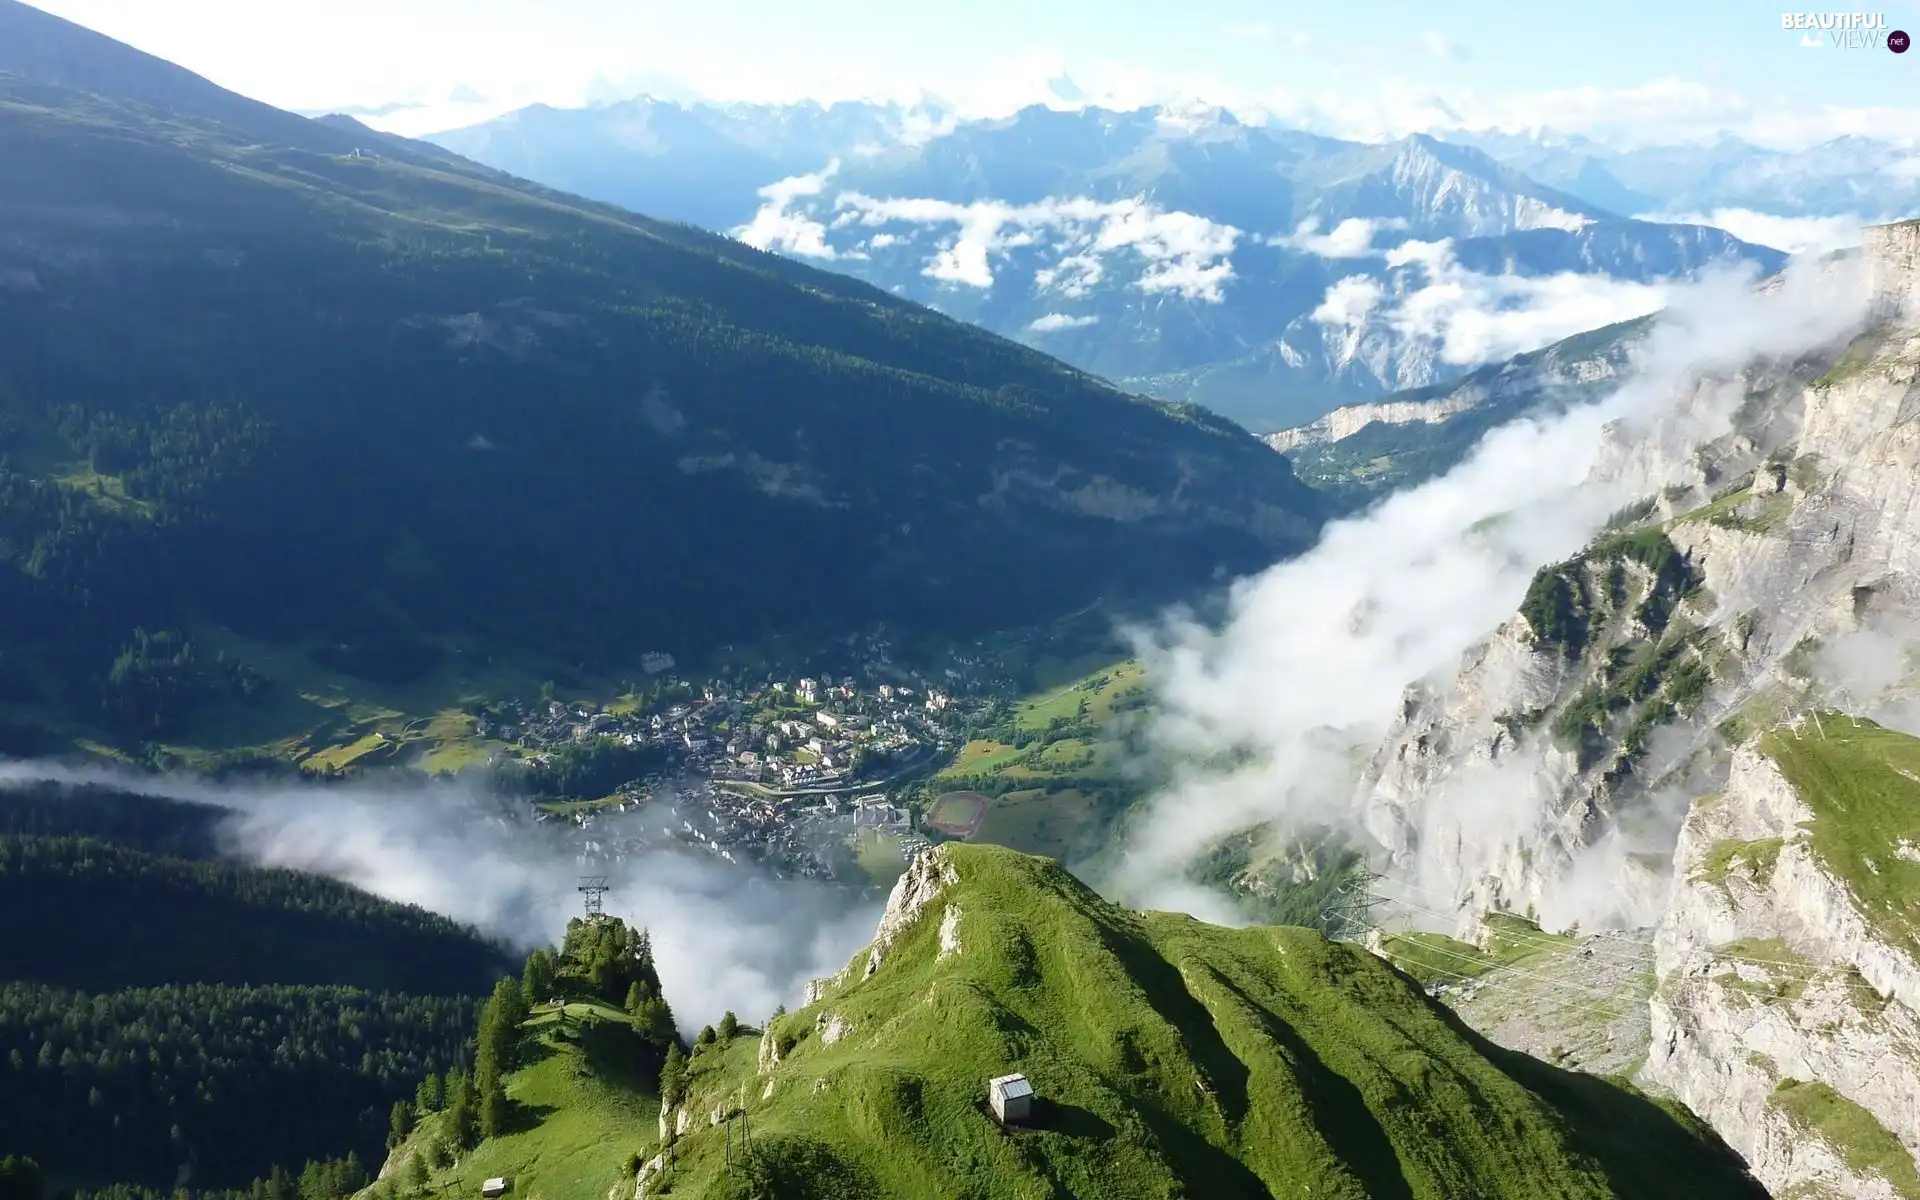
x: 1892, y: 253
x: 1769, y: 977
x: 1485, y: 806
x: 929, y: 874
x: 768, y: 1056
x: 925, y: 878
x: 1550, y: 773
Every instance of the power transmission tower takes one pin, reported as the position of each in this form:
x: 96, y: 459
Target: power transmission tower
x: 594, y: 888
x: 1347, y: 914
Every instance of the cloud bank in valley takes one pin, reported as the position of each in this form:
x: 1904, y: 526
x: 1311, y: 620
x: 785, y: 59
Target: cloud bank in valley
x: 1351, y: 238
x: 1055, y: 321
x: 776, y: 225
x: 1267, y: 715
x: 1466, y: 317
x: 1180, y: 253
x: 726, y: 937
x: 1419, y: 292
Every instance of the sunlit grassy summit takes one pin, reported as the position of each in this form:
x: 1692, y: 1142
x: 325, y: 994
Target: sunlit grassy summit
x: 1169, y: 1058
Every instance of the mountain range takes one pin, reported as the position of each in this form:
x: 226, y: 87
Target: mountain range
x: 311, y: 384
x: 1268, y: 273
x: 1861, y: 177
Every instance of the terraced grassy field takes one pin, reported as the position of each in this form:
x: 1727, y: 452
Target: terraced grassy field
x: 1055, y: 791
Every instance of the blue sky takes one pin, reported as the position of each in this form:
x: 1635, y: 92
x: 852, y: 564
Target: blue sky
x: 1632, y: 70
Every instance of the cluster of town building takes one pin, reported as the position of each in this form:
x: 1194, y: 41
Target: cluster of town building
x: 786, y: 771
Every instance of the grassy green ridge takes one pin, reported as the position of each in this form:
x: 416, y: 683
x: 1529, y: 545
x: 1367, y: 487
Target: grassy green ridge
x: 1862, y: 782
x: 1865, y: 1145
x: 1172, y: 1058
x: 1437, y: 958
x: 578, y: 1118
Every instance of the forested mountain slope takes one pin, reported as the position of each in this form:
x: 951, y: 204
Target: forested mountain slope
x: 163, y: 1008
x: 325, y: 386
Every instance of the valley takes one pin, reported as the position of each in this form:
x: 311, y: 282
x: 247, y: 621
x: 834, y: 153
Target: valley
x: 820, y: 647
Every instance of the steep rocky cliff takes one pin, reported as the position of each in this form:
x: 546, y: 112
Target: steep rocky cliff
x: 1637, y: 748
x: 1633, y: 669
x: 1362, y: 451
x: 1786, y: 1008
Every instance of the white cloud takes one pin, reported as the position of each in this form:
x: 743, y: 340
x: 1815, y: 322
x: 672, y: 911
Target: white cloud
x: 1467, y: 317
x: 1265, y: 717
x: 1531, y: 213
x: 1183, y: 253
x: 1075, y: 275
x: 776, y: 226
x: 1053, y: 321
x: 1351, y: 238
x: 726, y: 937
x: 1349, y: 302
x: 1795, y: 235
x: 1439, y: 45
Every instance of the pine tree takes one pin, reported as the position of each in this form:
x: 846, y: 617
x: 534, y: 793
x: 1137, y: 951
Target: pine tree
x: 653, y: 1020
x: 537, y: 979
x: 21, y: 1179
x: 416, y: 1173
x: 493, y: 1108
x: 399, y: 1123
x: 463, y: 1117
x: 429, y: 1097
x: 729, y: 1027
x: 673, y: 1076
x: 511, y: 998
x: 314, y: 1182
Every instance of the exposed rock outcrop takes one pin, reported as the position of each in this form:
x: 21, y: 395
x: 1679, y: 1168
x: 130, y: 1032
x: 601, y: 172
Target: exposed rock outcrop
x: 1772, y: 981
x: 1606, y: 757
x: 925, y: 878
x: 1555, y: 375
x: 1825, y: 549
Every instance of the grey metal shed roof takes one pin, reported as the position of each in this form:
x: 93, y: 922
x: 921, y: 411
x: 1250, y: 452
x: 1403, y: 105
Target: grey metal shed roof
x: 1011, y: 1086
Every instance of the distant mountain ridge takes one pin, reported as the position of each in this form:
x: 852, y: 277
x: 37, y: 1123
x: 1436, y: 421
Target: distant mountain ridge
x: 1185, y: 253
x: 1361, y: 452
x: 1867, y: 178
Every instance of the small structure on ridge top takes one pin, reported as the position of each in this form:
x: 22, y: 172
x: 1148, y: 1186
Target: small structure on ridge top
x: 1011, y: 1098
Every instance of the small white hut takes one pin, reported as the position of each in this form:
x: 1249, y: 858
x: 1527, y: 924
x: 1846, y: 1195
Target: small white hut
x: 1011, y: 1098
x: 497, y: 1186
